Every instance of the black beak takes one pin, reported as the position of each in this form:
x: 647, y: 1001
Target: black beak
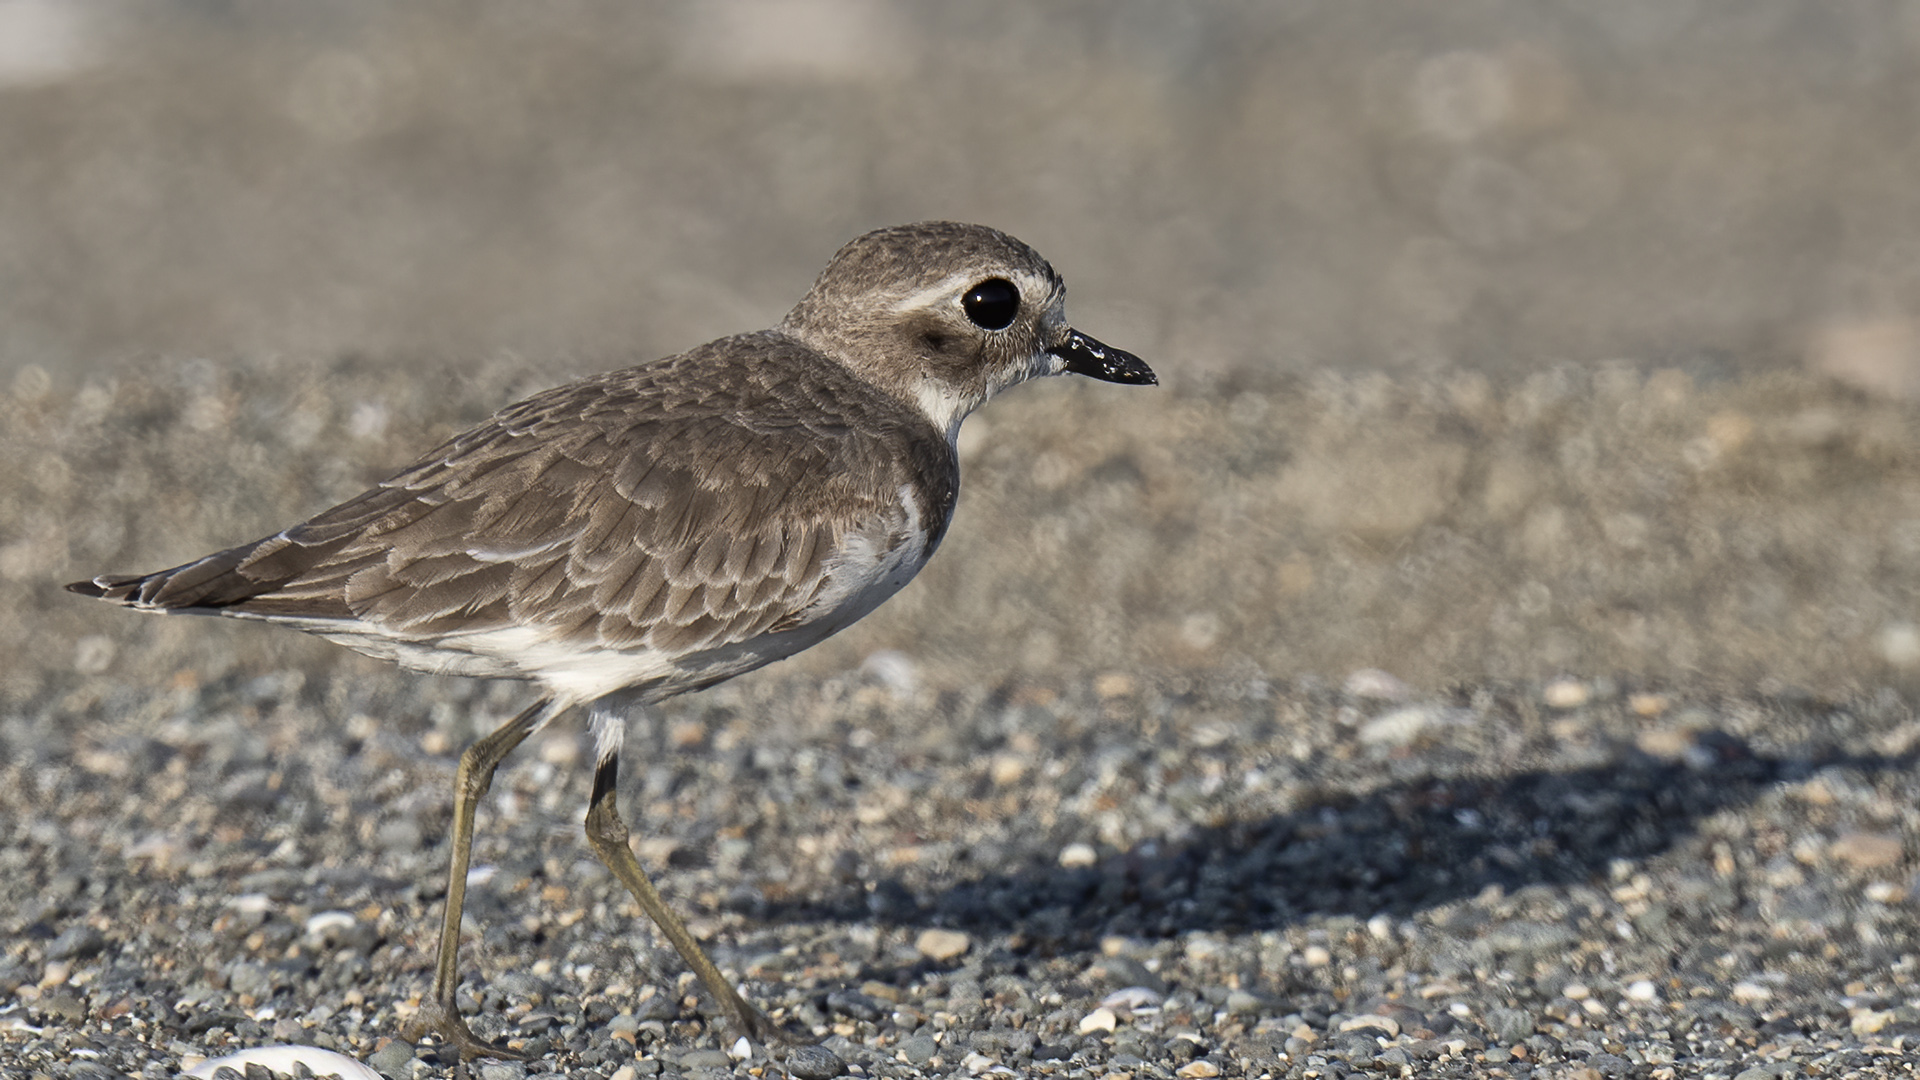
x: 1085, y: 356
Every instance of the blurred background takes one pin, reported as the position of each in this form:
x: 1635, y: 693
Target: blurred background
x: 1499, y: 339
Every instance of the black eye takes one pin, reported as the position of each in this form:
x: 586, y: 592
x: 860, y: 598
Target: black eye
x: 992, y: 304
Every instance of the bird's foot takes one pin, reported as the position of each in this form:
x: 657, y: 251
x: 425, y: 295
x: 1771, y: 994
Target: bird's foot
x: 440, y: 1019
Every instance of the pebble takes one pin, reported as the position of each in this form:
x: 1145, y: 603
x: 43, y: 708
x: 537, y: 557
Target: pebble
x: 940, y: 944
x: 1566, y: 694
x: 856, y: 1004
x: 1609, y: 1065
x: 67, y: 1007
x: 1648, y: 705
x: 1509, y: 1025
x: 1128, y: 971
x: 1376, y: 685
x: 1642, y: 990
x: 1386, y: 1025
x: 1078, y: 856
x: 394, y: 1060
x: 919, y: 1049
x: 1401, y: 727
x: 1884, y: 892
x: 1870, y: 1021
x: 1100, y: 1019
x: 1198, y: 1069
x: 1132, y: 998
x: 1866, y: 850
x: 814, y: 1063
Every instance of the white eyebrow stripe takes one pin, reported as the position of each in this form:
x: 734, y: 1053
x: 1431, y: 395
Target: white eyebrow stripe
x: 1030, y: 286
x: 934, y: 293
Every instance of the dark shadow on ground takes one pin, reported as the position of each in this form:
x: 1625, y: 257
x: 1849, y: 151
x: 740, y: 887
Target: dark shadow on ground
x: 1404, y: 849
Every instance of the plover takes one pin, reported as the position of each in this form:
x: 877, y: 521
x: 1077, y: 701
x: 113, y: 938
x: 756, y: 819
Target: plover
x: 659, y: 529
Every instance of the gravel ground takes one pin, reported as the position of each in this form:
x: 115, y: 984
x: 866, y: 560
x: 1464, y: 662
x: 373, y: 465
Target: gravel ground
x: 1140, y: 853
x: 1158, y: 877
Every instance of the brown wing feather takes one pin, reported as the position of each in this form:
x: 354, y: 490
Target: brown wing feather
x: 681, y: 506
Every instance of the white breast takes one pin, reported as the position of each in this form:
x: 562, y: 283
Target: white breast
x: 872, y: 563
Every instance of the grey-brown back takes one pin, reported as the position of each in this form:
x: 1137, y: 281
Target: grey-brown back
x: 679, y: 506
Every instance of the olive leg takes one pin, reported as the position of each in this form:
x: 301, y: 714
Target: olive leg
x: 470, y: 784
x: 608, y: 836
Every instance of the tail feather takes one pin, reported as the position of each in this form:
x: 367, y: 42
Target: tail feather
x: 225, y: 582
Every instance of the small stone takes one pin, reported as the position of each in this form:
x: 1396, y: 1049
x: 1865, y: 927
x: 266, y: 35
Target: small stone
x: 1668, y: 744
x: 815, y: 1063
x: 1648, y: 705
x: 503, y: 1070
x: 1198, y: 1067
x: 1867, y: 851
x: 937, y: 944
x: 67, y: 1007
x: 1243, y: 1003
x: 1100, y: 1019
x: 1610, y: 1064
x: 1129, y: 998
x: 703, y: 1059
x: 1566, y: 694
x: 327, y: 928
x: 1127, y: 971
x: 1399, y: 727
x: 1884, y: 892
x: 1078, y: 856
x: 399, y: 835
x: 1869, y: 1021
x: 1642, y: 990
x: 855, y: 1004
x: 394, y: 1060
x: 1750, y: 993
x: 1509, y: 1025
x: 1899, y: 644
x: 1529, y: 936
x: 919, y: 1049
x: 1386, y: 1025
x: 1376, y: 685
x: 1316, y: 956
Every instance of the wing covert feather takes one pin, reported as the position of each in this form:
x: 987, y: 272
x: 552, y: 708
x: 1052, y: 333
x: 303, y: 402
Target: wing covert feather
x: 685, y: 505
